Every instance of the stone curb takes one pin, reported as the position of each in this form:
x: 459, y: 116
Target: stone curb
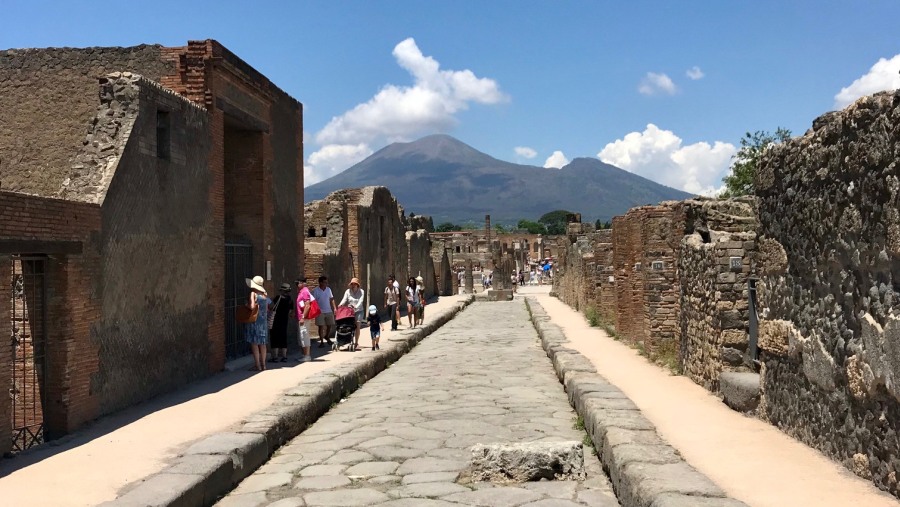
x: 213, y: 466
x: 644, y: 470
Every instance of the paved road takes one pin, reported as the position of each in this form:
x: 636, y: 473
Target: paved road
x: 404, y: 437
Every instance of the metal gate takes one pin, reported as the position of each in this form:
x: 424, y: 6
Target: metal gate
x: 238, y: 267
x: 28, y: 318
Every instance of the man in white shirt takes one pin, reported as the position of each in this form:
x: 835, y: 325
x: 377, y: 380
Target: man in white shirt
x: 325, y: 299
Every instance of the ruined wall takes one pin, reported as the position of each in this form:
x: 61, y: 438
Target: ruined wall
x: 829, y: 209
x: 631, y: 316
x: 47, y: 100
x: 715, y: 261
x: 364, y: 231
x: 381, y: 240
x: 420, y: 263
x: 156, y: 236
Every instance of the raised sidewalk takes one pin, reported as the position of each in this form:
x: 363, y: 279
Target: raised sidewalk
x: 94, y: 465
x: 751, y: 460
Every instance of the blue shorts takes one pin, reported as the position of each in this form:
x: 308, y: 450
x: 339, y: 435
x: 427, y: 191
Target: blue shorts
x: 376, y: 333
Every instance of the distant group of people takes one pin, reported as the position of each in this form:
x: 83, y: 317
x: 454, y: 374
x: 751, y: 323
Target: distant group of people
x: 270, y: 328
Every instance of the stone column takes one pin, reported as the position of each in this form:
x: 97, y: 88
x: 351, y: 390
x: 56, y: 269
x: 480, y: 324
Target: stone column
x: 469, y: 278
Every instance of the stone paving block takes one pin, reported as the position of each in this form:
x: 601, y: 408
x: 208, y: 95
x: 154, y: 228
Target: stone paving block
x: 495, y: 497
x: 416, y: 478
x: 164, y: 490
x: 417, y: 502
x: 319, y: 470
x: 348, y: 457
x: 372, y: 468
x: 604, y: 418
x: 322, y: 482
x: 427, y: 489
x: 345, y: 498
x: 427, y: 464
x: 553, y: 502
x: 554, y: 489
x: 263, y: 482
x: 740, y: 390
x: 248, y: 451
x: 257, y: 499
x: 288, y: 502
x: 639, y: 484
x: 619, y: 457
x: 676, y: 500
x: 217, y: 471
x: 597, y: 498
x: 524, y: 462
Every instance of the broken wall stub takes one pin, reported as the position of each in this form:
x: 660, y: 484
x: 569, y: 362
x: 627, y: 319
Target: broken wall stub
x: 48, y: 98
x: 715, y: 261
x: 645, y: 247
x: 829, y: 210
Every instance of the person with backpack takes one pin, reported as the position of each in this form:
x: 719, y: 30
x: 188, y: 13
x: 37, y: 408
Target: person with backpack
x: 255, y: 332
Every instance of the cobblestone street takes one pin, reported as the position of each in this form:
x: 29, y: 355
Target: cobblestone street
x: 404, y: 438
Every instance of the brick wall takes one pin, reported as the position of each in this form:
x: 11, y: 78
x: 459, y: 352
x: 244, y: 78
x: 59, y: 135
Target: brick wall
x: 68, y: 230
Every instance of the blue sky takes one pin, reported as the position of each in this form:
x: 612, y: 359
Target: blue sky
x: 584, y: 79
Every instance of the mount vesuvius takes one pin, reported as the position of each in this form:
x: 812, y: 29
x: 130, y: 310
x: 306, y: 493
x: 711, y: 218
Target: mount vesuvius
x: 441, y: 176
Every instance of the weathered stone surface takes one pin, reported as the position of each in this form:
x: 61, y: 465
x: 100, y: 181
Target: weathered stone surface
x: 678, y: 500
x: 524, y: 462
x: 409, y: 431
x: 740, y: 390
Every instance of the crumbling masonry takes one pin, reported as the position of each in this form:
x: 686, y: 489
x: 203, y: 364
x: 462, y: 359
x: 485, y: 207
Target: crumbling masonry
x: 822, y: 236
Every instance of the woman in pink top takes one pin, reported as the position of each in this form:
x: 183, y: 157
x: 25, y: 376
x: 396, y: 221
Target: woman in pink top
x: 302, y: 309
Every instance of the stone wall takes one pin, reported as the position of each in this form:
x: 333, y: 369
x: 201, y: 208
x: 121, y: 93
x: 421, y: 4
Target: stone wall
x: 157, y: 243
x: 47, y: 100
x: 365, y: 237
x: 829, y: 209
x: 143, y: 300
x: 715, y: 262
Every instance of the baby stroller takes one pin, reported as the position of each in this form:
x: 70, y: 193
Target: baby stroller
x: 345, y: 322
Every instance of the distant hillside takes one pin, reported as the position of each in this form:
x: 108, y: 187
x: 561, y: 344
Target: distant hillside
x: 443, y: 177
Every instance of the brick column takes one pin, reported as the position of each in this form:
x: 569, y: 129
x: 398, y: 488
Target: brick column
x: 5, y: 355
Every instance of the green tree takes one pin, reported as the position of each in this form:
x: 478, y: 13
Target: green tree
x: 739, y: 180
x: 532, y: 227
x: 599, y: 225
x: 447, y: 227
x: 499, y: 228
x: 555, y: 221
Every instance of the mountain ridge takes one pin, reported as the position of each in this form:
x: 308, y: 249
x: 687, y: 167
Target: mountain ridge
x: 441, y: 176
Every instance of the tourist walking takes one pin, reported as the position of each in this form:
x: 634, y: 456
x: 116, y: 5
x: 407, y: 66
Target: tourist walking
x: 278, y: 318
x: 392, y: 302
x: 325, y: 299
x: 420, y: 299
x: 302, y: 309
x: 355, y: 297
x: 375, y: 326
x: 255, y: 333
x: 411, y: 299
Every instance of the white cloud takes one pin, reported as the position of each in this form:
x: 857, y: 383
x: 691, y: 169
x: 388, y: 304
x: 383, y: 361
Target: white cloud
x: 884, y: 75
x: 654, y: 83
x: 659, y: 155
x: 556, y: 161
x: 695, y: 73
x: 332, y: 159
x: 525, y: 152
x: 402, y: 113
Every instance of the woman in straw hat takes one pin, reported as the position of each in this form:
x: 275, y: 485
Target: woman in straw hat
x: 256, y: 333
x: 355, y: 298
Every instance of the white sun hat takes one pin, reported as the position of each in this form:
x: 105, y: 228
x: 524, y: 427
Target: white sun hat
x: 373, y: 310
x: 256, y: 284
